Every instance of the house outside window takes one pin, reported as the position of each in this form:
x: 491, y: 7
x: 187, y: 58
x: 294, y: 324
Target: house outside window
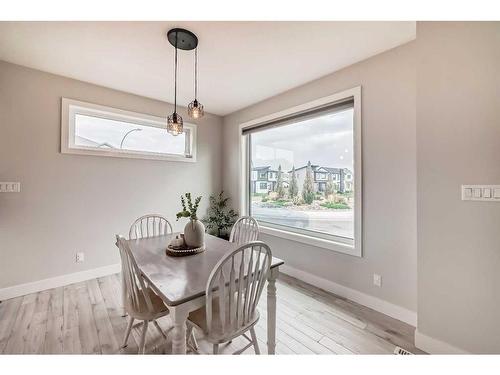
x: 311, y: 162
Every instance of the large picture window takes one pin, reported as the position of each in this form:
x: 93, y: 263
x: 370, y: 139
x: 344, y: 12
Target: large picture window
x: 97, y: 130
x: 302, y: 175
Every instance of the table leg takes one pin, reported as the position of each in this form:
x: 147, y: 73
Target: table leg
x: 179, y: 316
x: 271, y: 310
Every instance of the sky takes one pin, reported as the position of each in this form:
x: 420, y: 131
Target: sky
x: 148, y: 138
x: 325, y: 141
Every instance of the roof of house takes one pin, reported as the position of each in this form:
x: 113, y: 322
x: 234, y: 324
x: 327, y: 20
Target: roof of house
x: 314, y: 167
x: 267, y: 167
x: 89, y: 142
x: 331, y: 170
x: 335, y: 170
x: 326, y: 169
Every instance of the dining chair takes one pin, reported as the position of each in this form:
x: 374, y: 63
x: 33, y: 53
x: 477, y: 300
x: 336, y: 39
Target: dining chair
x: 147, y: 226
x: 246, y: 229
x: 140, y: 301
x: 232, y: 293
x: 151, y: 225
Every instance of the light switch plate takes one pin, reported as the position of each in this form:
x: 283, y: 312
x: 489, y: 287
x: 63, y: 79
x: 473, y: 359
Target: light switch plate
x: 486, y: 193
x: 476, y: 192
x: 10, y: 187
x: 496, y: 193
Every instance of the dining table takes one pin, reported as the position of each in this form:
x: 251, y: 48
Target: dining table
x: 181, y: 281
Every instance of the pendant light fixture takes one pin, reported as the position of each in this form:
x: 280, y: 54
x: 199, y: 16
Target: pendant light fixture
x: 195, y: 108
x: 185, y: 40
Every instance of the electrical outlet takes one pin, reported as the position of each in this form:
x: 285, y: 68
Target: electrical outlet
x: 377, y: 280
x: 80, y: 257
x: 10, y: 187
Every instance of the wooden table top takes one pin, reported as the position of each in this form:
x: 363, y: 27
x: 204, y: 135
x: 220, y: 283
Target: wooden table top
x: 180, y: 279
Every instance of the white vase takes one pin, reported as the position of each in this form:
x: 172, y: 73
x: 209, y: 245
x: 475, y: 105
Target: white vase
x: 194, y: 233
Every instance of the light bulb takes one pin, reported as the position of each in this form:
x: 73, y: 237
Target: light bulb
x: 174, y: 124
x: 195, y: 109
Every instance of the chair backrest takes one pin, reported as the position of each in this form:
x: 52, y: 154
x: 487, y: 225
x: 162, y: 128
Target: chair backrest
x: 151, y: 225
x: 237, y: 280
x: 246, y: 229
x: 133, y: 286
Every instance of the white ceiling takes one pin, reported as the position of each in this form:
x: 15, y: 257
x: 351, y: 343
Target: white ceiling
x: 240, y: 63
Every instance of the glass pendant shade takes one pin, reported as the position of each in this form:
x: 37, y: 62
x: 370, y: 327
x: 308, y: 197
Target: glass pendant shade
x: 195, y: 109
x: 174, y: 124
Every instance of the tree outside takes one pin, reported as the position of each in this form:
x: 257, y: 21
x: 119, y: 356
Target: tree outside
x: 293, y: 187
x: 308, y: 188
x: 330, y: 187
x: 280, y: 189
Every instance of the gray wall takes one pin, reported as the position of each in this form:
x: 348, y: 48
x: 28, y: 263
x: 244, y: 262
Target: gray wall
x: 389, y: 176
x: 72, y: 203
x: 458, y: 142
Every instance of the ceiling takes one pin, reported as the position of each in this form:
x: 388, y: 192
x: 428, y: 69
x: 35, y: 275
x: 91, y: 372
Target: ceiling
x: 240, y: 63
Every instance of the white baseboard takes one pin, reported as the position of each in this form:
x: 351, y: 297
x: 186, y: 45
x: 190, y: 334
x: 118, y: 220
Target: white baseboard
x: 434, y: 346
x: 55, y: 282
x: 387, y: 308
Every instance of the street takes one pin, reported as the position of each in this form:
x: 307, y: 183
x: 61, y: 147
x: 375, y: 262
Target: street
x: 336, y: 222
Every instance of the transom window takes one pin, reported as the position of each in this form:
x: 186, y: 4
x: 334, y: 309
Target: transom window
x: 97, y: 130
x: 315, y: 196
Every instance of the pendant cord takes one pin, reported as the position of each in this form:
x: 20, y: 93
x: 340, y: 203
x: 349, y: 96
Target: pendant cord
x: 175, y: 80
x: 195, y: 73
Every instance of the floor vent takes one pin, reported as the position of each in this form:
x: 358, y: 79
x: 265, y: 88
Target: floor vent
x: 401, y: 351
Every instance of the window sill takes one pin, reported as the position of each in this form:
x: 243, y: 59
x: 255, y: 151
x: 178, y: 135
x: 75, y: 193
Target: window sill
x: 312, y: 241
x: 129, y: 154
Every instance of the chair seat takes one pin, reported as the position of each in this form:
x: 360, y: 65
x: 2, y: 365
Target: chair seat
x: 142, y: 312
x: 199, y: 318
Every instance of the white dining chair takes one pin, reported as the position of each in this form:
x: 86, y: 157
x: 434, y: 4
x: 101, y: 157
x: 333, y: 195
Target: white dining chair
x: 140, y: 301
x: 246, y: 229
x: 146, y: 226
x: 151, y: 225
x: 232, y: 294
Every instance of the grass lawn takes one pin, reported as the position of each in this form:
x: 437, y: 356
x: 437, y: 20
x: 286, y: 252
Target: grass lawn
x: 279, y: 203
x: 335, y: 206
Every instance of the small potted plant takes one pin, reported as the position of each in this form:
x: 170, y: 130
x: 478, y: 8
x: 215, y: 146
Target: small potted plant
x: 194, y: 231
x: 220, y: 217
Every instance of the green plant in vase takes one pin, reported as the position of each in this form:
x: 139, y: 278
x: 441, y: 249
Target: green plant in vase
x: 194, y: 231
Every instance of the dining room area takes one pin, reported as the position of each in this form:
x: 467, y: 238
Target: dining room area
x: 159, y: 303
x: 155, y: 235
x: 303, y: 195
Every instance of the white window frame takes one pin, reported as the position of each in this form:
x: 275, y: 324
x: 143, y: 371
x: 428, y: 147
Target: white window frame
x: 339, y: 244
x: 70, y: 108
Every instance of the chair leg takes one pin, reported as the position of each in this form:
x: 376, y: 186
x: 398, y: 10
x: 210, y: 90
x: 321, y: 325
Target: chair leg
x: 159, y: 329
x: 127, y: 334
x: 192, y: 338
x: 142, y: 346
x: 216, y: 348
x: 254, y: 340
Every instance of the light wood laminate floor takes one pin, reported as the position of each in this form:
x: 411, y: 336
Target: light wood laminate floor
x: 86, y: 318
